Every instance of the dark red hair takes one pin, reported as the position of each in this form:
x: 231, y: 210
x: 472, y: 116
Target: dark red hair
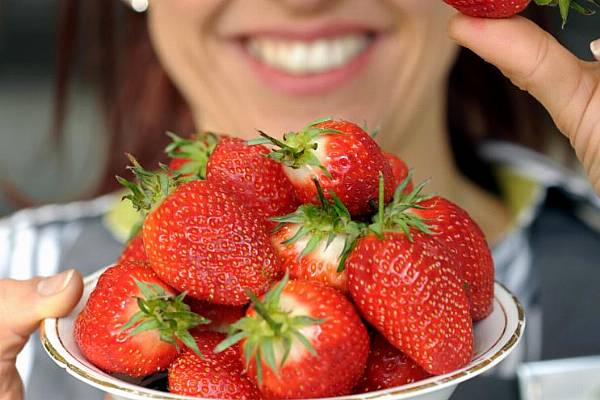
x: 141, y: 103
x: 138, y: 99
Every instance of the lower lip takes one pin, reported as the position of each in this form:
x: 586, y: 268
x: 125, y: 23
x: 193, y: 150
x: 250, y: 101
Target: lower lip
x: 313, y: 84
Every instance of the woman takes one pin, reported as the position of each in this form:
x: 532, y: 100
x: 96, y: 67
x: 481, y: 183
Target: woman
x: 275, y: 65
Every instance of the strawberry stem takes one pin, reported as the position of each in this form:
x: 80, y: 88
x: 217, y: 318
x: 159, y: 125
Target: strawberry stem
x: 378, y: 224
x: 271, y: 326
x: 297, y: 149
x: 151, y: 187
x: 262, y: 311
x: 326, y: 221
x: 396, y: 216
x: 381, y: 199
x: 197, y: 150
x: 165, y: 313
x: 565, y: 6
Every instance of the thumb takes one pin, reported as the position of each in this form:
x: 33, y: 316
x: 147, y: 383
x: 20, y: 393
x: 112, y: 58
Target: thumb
x: 23, y: 304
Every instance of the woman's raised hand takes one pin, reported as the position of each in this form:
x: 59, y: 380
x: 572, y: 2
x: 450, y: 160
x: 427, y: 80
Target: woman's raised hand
x: 23, y: 304
x: 568, y: 87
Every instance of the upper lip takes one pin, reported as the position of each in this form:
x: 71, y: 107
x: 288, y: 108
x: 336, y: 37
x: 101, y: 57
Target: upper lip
x: 308, y: 33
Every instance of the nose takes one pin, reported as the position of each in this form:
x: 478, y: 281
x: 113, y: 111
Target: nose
x: 307, y: 6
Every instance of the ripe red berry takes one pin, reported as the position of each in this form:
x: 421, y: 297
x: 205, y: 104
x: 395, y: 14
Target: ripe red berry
x: 134, y: 251
x: 200, y: 240
x: 340, y: 155
x: 213, y: 376
x: 128, y: 324
x: 253, y: 179
x: 302, y: 340
x: 314, y: 241
x: 388, y: 367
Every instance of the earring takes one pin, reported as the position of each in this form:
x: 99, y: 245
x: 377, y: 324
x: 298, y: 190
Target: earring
x: 138, y: 5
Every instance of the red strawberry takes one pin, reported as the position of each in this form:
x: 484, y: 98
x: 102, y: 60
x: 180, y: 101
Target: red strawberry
x: 199, y: 240
x: 134, y: 251
x: 314, y: 241
x: 255, y: 180
x: 508, y: 8
x: 454, y: 227
x: 489, y: 8
x: 220, y: 316
x: 341, y: 155
x: 190, y: 156
x: 388, y: 367
x: 303, y: 340
x: 177, y: 164
x: 405, y: 283
x: 408, y: 289
x: 320, y: 264
x: 148, y: 342
x: 400, y: 171
x: 214, y: 376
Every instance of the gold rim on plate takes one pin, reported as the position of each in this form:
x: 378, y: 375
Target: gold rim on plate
x: 422, y: 387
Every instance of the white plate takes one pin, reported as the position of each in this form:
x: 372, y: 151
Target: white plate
x: 569, y: 378
x: 495, y: 338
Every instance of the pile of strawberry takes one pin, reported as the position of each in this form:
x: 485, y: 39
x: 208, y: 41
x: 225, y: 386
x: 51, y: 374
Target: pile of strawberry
x: 296, y: 268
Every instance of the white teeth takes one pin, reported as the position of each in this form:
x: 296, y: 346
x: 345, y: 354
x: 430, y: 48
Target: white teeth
x: 317, y: 59
x: 295, y: 59
x: 303, y: 58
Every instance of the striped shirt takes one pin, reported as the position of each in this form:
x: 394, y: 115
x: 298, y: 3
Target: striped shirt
x: 31, y: 243
x: 34, y: 241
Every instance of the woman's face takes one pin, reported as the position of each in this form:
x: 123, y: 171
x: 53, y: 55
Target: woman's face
x: 278, y: 64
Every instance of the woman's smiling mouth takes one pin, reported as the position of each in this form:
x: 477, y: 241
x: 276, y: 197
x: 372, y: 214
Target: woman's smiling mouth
x: 308, y: 62
x: 300, y: 58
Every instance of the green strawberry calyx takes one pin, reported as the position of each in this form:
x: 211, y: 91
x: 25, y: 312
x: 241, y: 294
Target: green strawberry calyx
x: 270, y: 328
x: 396, y: 216
x: 167, y: 314
x: 324, y: 222
x: 196, y: 150
x: 565, y: 7
x: 297, y: 149
x: 151, y: 188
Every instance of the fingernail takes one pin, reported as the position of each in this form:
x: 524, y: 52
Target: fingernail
x: 54, y: 284
x: 595, y: 46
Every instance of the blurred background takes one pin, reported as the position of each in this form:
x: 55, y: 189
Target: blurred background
x: 33, y: 170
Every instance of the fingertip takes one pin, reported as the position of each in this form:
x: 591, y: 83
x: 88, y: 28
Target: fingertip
x: 595, y: 47
x: 461, y: 27
x: 473, y: 32
x: 64, y: 300
x: 49, y: 286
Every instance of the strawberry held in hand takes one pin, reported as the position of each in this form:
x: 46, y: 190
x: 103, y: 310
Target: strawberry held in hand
x: 201, y: 241
x: 509, y: 8
x: 314, y: 241
x: 213, y: 376
x: 489, y: 8
x: 405, y: 283
x: 251, y: 178
x: 302, y: 340
x: 133, y: 323
x: 340, y: 155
